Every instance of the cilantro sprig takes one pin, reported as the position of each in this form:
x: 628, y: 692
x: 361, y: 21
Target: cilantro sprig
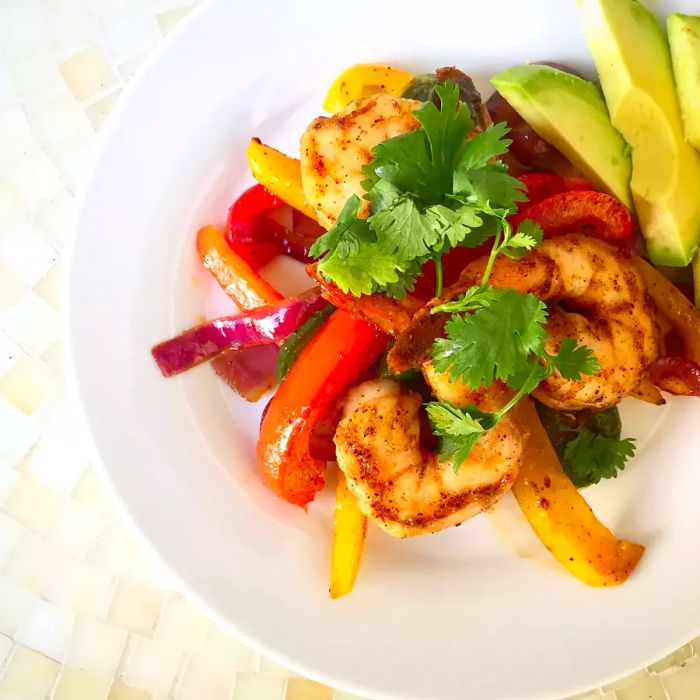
x: 430, y: 190
x: 590, y: 457
x: 497, y: 334
x: 459, y: 434
x: 588, y: 442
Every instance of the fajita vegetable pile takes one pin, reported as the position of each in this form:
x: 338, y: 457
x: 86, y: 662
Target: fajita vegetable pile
x: 485, y: 289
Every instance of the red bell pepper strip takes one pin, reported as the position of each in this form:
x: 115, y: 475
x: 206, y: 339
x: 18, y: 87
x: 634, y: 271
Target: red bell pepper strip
x: 261, y: 226
x: 676, y: 375
x: 544, y: 185
x: 453, y: 263
x: 595, y: 213
x: 249, y: 231
x: 332, y: 360
x: 236, y: 276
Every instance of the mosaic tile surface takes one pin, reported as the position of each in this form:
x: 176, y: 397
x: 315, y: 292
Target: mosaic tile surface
x: 84, y: 614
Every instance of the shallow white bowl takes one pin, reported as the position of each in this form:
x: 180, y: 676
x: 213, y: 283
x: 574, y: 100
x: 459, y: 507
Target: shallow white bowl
x: 481, y: 611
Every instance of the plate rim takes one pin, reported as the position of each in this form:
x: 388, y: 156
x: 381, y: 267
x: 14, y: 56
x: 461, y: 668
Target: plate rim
x: 123, y: 510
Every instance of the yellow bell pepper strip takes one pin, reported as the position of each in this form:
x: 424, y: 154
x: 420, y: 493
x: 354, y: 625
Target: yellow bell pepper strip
x: 560, y: 516
x: 672, y: 303
x: 237, y: 278
x: 363, y: 80
x: 349, y: 533
x: 280, y: 174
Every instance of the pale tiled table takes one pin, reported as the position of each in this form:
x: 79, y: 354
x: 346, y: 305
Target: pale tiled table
x: 84, y: 614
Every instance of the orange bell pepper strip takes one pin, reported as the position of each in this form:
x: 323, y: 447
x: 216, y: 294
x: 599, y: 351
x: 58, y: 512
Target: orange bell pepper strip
x: 560, y: 516
x: 280, y: 174
x: 363, y: 80
x: 349, y: 533
x: 672, y: 303
x: 333, y: 359
x: 237, y: 278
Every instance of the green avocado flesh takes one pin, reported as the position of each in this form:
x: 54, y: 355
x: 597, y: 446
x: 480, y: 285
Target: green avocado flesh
x: 633, y: 59
x: 570, y: 113
x: 684, y: 38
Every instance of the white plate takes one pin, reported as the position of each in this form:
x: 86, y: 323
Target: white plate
x: 480, y: 611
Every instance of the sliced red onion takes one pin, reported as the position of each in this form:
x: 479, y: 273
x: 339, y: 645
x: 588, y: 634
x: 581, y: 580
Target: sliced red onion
x: 250, y: 372
x: 262, y: 326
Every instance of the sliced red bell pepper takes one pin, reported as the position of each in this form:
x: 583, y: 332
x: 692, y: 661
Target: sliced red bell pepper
x: 676, y: 375
x: 249, y: 231
x: 544, y: 185
x: 333, y: 359
x: 453, y: 263
x: 261, y: 226
x: 595, y: 213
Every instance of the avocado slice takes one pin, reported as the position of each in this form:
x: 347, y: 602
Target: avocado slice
x: 632, y: 55
x: 570, y: 113
x: 684, y: 37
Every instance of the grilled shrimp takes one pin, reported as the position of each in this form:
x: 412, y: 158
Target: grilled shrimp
x: 402, y: 485
x: 596, y: 297
x: 334, y: 149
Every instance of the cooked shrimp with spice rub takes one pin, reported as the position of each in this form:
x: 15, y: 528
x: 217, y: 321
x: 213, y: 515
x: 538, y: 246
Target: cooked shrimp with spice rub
x: 334, y: 149
x: 598, y: 298
x: 401, y: 483
x: 595, y: 296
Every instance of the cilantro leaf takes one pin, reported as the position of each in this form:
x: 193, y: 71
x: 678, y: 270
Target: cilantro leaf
x: 445, y: 130
x: 382, y: 195
x: 489, y: 187
x: 447, y: 419
x: 453, y: 227
x: 421, y: 162
x: 458, y: 429
x: 362, y: 271
x: 590, y: 457
x: 402, y: 228
x: 474, y: 298
x: 404, y: 161
x: 494, y: 342
x: 484, y: 147
x: 528, y: 376
x: 572, y: 360
x: 528, y: 236
x: 348, y: 233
